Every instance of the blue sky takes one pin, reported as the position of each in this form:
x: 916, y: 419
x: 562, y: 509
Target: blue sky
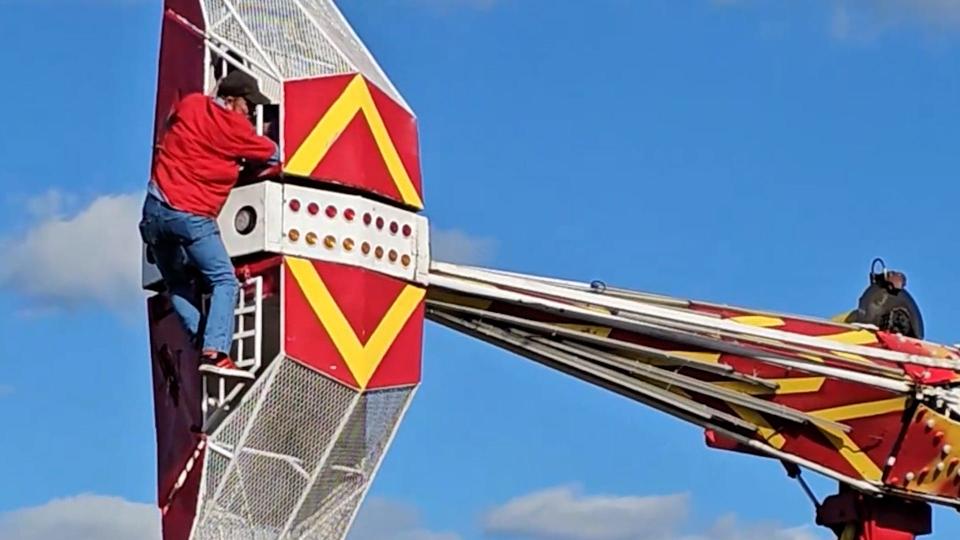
x: 757, y: 153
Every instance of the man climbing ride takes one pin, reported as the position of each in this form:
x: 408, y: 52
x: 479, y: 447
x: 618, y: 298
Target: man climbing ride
x: 196, y: 163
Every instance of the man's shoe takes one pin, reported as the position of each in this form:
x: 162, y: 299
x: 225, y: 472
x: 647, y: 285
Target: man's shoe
x: 224, y: 367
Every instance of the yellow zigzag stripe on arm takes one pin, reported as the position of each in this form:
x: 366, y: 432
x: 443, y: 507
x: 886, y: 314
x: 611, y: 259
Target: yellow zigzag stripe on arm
x: 844, y: 444
x: 769, y: 434
x: 853, y: 337
x: 758, y: 320
x: 355, y: 98
x: 362, y: 360
x: 795, y: 385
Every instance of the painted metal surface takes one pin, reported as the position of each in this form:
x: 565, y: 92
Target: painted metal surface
x: 177, y: 417
x: 928, y: 458
x: 343, y: 129
x: 359, y: 327
x: 181, y: 60
x: 337, y: 258
x: 824, y: 395
x: 348, y: 229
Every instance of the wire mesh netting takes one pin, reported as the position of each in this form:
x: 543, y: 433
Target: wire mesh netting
x: 295, y: 459
x: 346, y: 475
x: 291, y: 39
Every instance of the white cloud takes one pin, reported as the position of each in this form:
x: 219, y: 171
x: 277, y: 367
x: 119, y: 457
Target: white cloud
x: 728, y: 528
x: 89, y: 257
x: 381, y: 519
x: 865, y: 20
x: 5, y: 390
x: 455, y: 246
x: 52, y: 203
x: 83, y: 517
x: 552, y: 514
x: 563, y: 513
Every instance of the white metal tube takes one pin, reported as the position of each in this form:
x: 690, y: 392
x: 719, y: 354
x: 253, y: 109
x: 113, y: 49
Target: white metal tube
x: 490, y: 291
x: 693, y: 318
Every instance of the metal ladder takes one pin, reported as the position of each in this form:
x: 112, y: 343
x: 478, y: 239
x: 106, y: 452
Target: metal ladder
x: 218, y: 393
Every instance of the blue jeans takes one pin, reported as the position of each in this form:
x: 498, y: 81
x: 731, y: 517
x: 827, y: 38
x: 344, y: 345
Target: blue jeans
x: 179, y: 239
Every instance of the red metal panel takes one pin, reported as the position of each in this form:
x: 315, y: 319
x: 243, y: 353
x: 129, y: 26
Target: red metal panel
x: 189, y: 9
x: 355, y: 157
x: 363, y: 296
x: 363, y: 299
x: 798, y: 326
x: 181, y: 58
x: 305, y: 340
x: 177, y: 396
x: 402, y: 127
x: 178, y: 520
x: 928, y: 459
x: 922, y: 374
x: 305, y: 103
x: 854, y: 516
x: 402, y: 364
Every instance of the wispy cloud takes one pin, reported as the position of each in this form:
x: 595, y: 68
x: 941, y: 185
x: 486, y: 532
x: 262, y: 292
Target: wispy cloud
x: 68, y: 260
x: 865, y: 20
x: 83, y: 517
x: 70, y: 256
x: 456, y: 246
x: 563, y: 513
x: 382, y: 519
x: 868, y: 20
x: 560, y: 513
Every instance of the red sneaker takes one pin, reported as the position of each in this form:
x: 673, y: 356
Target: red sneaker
x: 223, y: 367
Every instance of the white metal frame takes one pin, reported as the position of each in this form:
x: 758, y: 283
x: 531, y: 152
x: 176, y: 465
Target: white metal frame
x: 215, y: 41
x: 491, y: 291
x: 221, y: 397
x: 459, y: 274
x: 322, y: 463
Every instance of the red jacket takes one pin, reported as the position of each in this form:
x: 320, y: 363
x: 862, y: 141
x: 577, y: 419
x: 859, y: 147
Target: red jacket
x: 196, y: 161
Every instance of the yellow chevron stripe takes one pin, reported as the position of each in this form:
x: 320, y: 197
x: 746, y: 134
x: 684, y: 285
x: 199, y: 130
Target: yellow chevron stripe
x: 712, y: 358
x: 758, y: 320
x: 844, y: 444
x: 862, y: 410
x: 362, y: 360
x: 796, y: 385
x: 766, y: 431
x: 853, y: 337
x: 355, y: 99
x: 601, y: 331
